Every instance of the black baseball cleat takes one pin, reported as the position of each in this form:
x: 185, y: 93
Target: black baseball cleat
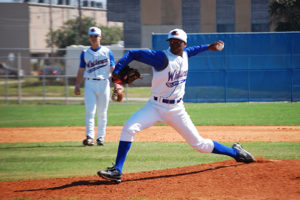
x: 88, y: 141
x: 111, y: 173
x: 100, y: 142
x: 243, y: 155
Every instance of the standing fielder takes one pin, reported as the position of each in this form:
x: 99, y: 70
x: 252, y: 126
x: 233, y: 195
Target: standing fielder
x: 96, y: 64
x: 170, y: 70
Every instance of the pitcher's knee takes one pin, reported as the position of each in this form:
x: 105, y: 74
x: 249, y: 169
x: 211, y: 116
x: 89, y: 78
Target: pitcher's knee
x: 204, y: 146
x: 129, y: 131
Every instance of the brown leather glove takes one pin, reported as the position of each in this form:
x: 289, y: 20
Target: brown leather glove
x: 126, y: 76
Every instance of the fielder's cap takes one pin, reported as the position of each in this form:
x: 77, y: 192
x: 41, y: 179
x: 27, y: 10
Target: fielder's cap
x: 94, y: 31
x: 178, y: 34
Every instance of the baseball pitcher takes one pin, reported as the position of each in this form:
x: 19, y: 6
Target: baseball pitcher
x: 170, y: 71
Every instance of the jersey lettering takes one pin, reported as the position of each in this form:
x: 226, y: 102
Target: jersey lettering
x: 175, y: 83
x: 96, y: 62
x: 95, y: 68
x: 176, y: 75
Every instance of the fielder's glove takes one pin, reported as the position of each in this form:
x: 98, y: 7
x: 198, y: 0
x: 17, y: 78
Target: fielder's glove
x: 126, y: 76
x: 118, y: 93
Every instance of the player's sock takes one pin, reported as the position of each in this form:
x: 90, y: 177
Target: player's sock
x: 222, y: 149
x: 122, y: 153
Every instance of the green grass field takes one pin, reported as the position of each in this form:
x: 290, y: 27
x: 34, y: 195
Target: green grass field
x: 65, y: 159
x: 201, y: 114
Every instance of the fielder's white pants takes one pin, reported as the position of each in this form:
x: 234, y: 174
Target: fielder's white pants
x: 96, y: 99
x: 172, y: 114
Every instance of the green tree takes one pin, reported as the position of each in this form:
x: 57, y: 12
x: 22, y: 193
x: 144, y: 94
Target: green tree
x: 68, y: 35
x: 111, y: 35
x: 285, y: 14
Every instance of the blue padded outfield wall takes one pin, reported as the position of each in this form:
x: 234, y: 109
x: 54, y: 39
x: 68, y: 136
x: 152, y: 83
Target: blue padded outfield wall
x: 251, y: 67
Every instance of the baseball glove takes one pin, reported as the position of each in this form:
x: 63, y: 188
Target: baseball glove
x: 118, y: 93
x: 126, y: 76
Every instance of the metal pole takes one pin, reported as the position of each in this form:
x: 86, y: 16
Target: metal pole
x: 19, y: 80
x: 6, y: 86
x: 44, y: 86
x: 79, y: 23
x: 51, y: 28
x: 67, y: 89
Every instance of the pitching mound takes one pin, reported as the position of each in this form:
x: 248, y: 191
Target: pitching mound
x: 265, y: 179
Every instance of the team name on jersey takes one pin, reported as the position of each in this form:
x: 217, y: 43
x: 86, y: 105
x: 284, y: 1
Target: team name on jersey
x: 174, y: 76
x: 102, y: 62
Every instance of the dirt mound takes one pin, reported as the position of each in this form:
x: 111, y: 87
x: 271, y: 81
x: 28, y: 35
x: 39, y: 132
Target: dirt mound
x: 265, y: 179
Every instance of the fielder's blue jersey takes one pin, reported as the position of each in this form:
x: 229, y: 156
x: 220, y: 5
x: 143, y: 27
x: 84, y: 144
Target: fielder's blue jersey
x: 155, y: 58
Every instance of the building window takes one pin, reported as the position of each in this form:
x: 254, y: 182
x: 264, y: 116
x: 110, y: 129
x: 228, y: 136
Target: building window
x: 260, y: 27
x: 85, y: 3
x: 191, y: 16
x: 99, y: 5
x: 225, y: 28
x: 225, y: 14
x: 260, y: 17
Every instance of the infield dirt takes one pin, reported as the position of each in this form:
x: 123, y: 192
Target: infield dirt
x: 264, y: 179
x: 155, y: 134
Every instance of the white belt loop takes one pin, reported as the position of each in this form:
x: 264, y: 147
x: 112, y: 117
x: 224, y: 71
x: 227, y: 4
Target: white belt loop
x: 160, y: 99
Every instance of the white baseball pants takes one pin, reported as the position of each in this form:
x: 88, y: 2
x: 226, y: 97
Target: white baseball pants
x: 172, y: 114
x: 96, y: 98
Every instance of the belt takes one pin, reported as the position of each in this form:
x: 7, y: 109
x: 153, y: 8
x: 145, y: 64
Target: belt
x: 95, y: 79
x: 168, y: 101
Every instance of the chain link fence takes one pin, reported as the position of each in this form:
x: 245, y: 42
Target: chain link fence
x: 48, y: 76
